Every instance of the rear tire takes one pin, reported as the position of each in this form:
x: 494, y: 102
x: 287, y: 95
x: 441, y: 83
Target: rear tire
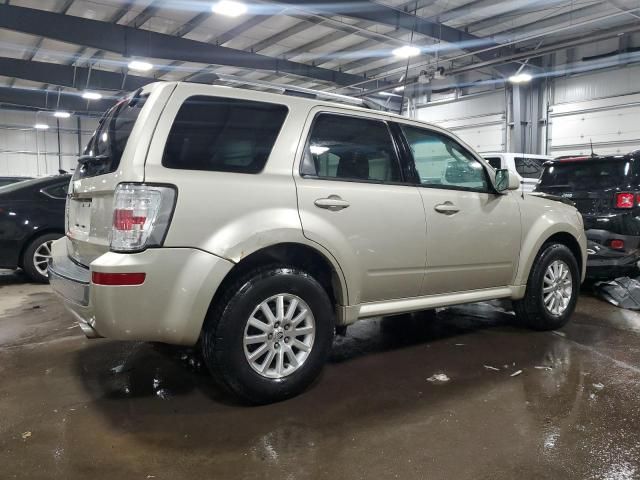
x: 36, y: 257
x: 262, y: 358
x: 552, y: 289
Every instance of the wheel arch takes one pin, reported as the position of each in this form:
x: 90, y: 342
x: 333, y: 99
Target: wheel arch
x: 558, y: 234
x: 323, y: 268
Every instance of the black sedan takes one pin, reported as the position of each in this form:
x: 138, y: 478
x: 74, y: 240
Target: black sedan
x: 9, y: 180
x: 31, y: 218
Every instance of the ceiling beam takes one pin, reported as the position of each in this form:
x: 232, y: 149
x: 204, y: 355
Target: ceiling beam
x: 386, y: 15
x: 128, y: 41
x: 48, y: 100
x: 68, y: 76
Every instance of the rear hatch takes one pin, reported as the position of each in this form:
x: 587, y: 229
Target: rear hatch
x: 602, y: 189
x: 115, y: 153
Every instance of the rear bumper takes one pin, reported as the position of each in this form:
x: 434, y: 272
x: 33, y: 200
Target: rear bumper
x: 604, y: 262
x: 170, y: 306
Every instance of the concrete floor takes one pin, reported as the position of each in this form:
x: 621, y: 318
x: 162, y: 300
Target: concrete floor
x: 74, y: 408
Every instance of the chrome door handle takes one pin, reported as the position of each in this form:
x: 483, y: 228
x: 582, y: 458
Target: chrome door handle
x: 332, y: 202
x: 447, y: 208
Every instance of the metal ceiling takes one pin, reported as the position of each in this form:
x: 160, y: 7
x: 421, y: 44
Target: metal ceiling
x: 70, y: 45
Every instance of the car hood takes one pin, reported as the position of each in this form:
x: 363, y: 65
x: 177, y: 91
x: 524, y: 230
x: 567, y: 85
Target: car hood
x: 555, y: 198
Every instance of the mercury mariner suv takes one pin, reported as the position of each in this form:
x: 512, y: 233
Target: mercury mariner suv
x: 255, y: 224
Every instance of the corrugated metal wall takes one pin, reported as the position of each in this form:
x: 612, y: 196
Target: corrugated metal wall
x: 30, y: 152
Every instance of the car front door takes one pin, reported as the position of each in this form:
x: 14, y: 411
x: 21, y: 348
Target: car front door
x: 354, y: 201
x: 473, y: 233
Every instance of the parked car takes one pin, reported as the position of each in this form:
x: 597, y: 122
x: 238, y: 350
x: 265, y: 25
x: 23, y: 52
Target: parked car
x: 31, y: 218
x: 606, y: 190
x: 525, y: 166
x: 9, y: 180
x: 254, y: 224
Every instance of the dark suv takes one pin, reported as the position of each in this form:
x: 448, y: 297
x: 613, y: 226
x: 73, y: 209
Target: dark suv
x: 606, y: 190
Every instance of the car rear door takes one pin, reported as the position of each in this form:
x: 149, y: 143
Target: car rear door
x: 473, y: 233
x: 354, y: 201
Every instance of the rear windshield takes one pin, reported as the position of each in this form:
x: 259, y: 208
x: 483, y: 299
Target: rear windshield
x: 223, y: 134
x: 586, y: 175
x: 111, y: 137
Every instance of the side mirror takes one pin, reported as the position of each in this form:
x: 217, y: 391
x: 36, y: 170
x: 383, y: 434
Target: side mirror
x: 504, y: 181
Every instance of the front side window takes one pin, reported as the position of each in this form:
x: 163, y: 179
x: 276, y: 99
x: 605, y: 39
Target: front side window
x: 223, y: 134
x: 351, y: 148
x: 442, y: 162
x: 529, y: 167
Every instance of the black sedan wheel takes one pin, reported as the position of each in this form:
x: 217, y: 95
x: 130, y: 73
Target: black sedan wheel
x: 35, y: 259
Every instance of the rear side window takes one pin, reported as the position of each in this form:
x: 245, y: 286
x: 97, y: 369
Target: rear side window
x: 111, y: 136
x: 223, y: 135
x: 494, y: 162
x: 58, y: 191
x: 351, y: 148
x: 529, y: 167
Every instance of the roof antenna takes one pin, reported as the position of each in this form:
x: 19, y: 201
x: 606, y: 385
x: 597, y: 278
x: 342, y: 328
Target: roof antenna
x: 593, y: 155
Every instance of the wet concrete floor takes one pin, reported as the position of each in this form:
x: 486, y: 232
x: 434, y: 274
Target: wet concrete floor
x: 91, y: 409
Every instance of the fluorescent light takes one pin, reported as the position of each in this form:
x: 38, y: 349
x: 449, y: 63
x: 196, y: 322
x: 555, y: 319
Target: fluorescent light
x: 140, y: 66
x: 61, y: 114
x: 91, y: 95
x: 520, y: 78
x: 229, y: 8
x: 399, y: 89
x: 406, y: 51
x: 41, y: 126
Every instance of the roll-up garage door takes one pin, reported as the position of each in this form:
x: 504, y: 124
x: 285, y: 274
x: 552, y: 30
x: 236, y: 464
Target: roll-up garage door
x: 612, y: 124
x: 478, y: 120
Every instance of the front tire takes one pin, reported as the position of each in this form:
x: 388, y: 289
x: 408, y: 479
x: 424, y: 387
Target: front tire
x: 269, y: 335
x: 552, y: 289
x: 35, y: 259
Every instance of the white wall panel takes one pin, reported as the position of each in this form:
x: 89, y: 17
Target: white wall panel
x: 478, y: 120
x: 612, y: 124
x: 30, y: 152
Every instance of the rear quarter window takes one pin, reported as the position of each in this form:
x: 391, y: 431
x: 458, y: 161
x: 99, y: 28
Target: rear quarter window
x: 223, y: 135
x: 495, y: 162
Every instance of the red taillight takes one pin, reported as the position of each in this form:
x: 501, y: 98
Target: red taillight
x: 114, y: 279
x: 617, y: 244
x: 625, y: 200
x: 125, y: 220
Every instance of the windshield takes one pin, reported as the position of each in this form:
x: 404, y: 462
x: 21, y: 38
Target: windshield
x: 111, y: 136
x: 586, y: 175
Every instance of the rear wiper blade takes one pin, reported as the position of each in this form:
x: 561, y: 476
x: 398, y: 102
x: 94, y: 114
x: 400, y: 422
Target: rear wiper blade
x: 85, y: 159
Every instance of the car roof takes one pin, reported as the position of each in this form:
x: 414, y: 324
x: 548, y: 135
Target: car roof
x: 35, y: 183
x: 635, y: 155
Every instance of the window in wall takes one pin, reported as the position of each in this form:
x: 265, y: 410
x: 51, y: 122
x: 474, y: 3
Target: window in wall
x: 351, y: 148
x: 223, y: 134
x: 441, y: 161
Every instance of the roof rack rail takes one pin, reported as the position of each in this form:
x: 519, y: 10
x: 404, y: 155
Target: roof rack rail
x: 213, y: 78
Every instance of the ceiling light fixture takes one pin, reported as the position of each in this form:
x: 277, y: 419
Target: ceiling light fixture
x: 229, y: 8
x: 140, y: 66
x: 399, y: 89
x: 91, y: 95
x: 61, y: 114
x: 406, y: 51
x: 520, y: 78
x: 41, y: 126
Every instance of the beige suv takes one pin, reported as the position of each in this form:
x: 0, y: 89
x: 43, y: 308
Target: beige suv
x: 256, y: 224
